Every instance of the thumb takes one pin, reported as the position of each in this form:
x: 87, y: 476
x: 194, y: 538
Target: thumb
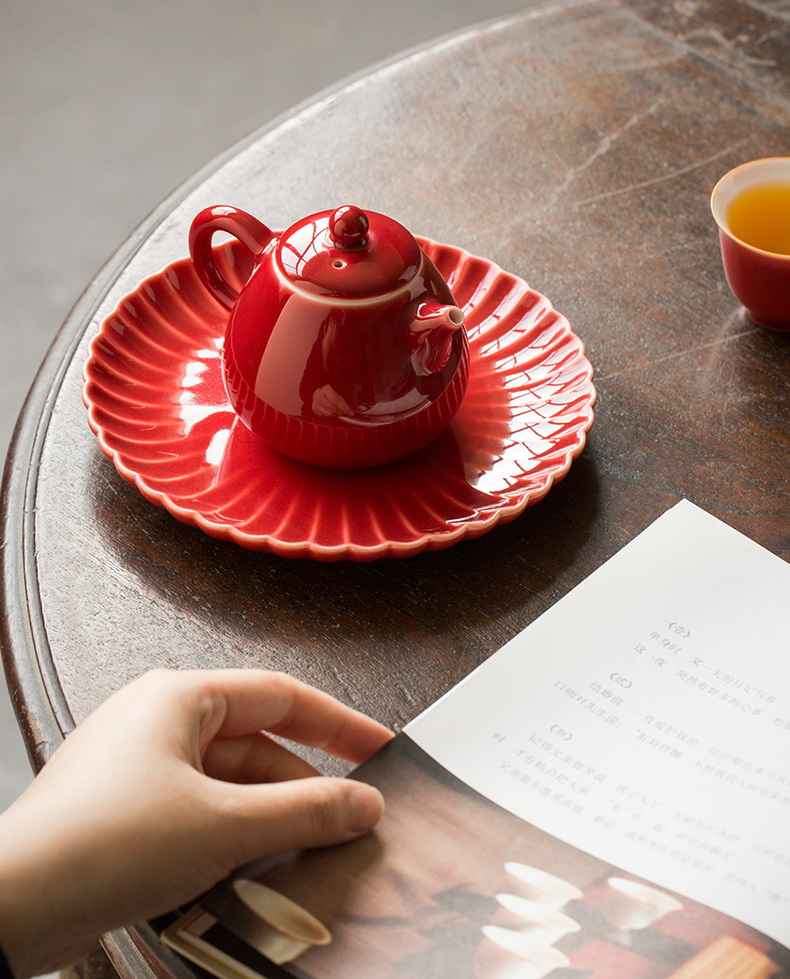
x: 306, y: 812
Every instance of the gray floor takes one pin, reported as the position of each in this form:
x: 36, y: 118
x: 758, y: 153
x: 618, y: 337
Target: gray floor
x: 106, y: 106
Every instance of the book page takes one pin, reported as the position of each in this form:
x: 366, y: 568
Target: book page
x: 645, y: 718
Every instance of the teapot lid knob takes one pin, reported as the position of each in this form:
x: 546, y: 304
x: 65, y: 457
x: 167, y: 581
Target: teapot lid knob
x: 348, y: 227
x: 348, y: 253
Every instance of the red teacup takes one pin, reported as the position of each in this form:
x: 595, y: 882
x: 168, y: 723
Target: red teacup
x: 750, y: 204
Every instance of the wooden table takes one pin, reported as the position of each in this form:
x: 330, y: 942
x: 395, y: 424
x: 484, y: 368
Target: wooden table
x: 575, y: 145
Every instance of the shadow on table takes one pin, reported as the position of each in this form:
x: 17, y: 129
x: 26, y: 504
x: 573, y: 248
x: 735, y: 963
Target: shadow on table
x: 413, y: 627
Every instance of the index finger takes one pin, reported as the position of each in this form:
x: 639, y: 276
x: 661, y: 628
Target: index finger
x: 240, y: 702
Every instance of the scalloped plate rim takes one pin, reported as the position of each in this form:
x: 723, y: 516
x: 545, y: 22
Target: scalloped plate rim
x: 470, y: 528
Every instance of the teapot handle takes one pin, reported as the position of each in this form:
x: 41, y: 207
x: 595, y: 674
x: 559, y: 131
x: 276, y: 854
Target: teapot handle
x: 254, y: 235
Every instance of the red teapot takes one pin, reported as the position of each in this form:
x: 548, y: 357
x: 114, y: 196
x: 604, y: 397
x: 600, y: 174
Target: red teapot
x: 345, y: 347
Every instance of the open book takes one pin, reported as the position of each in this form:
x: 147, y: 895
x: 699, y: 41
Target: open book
x: 607, y: 796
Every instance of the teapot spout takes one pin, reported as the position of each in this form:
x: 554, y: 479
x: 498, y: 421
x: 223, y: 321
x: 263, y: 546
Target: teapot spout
x: 431, y: 333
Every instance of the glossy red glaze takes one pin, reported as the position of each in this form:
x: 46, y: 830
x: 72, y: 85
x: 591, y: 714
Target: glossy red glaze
x: 156, y: 400
x: 254, y: 235
x: 345, y: 348
x: 348, y: 227
x: 759, y: 279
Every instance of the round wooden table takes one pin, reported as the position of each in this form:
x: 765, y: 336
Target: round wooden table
x: 575, y: 145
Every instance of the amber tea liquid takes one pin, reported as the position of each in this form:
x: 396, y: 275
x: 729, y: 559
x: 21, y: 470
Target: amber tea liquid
x: 760, y: 217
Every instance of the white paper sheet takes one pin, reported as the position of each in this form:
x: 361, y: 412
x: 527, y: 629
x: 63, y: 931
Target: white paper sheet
x: 645, y: 718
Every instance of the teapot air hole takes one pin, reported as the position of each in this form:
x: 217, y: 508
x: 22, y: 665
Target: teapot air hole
x: 338, y: 264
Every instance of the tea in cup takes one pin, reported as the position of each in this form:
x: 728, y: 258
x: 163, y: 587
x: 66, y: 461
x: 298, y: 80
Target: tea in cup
x: 751, y: 206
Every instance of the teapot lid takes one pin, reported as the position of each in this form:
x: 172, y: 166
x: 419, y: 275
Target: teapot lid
x: 348, y: 253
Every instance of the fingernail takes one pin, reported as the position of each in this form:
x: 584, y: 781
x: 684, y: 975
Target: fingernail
x: 365, y: 806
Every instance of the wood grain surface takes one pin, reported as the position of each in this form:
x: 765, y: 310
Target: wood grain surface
x: 575, y: 145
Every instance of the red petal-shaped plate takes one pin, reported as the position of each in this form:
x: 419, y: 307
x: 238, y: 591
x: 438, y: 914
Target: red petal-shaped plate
x: 156, y: 401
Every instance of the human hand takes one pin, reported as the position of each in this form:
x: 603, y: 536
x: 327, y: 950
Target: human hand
x: 327, y: 402
x: 161, y: 793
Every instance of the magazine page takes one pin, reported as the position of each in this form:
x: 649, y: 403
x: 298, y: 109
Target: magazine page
x: 605, y: 797
x: 653, y: 701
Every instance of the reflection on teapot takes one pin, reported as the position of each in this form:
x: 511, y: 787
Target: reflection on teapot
x: 345, y: 347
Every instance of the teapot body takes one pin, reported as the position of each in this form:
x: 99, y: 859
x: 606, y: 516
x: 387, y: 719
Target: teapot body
x: 344, y: 377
